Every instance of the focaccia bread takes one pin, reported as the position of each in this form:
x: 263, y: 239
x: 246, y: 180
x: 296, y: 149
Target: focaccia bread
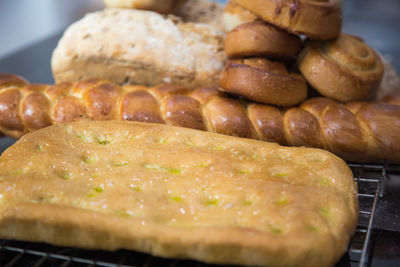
x: 177, y: 192
x: 131, y: 46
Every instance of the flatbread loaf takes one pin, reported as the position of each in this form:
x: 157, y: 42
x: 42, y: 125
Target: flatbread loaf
x: 177, y: 192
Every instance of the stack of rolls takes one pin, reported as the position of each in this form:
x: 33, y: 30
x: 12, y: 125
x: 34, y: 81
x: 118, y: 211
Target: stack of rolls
x: 270, y: 63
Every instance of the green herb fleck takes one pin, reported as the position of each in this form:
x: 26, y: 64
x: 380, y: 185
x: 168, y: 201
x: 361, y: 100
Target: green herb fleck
x: 176, y: 199
x: 211, y: 202
x: 41, y: 147
x: 65, y: 175
x: 136, y: 188
x: 18, y: 172
x: 162, y: 141
x: 280, y: 174
x: 189, y: 143
x: 244, y: 171
x: 323, y: 181
x: 88, y: 159
x: 282, y: 201
x: 84, y: 137
x: 325, y: 212
x: 104, y: 140
x: 119, y: 163
x: 312, y: 228
x: 247, y: 203
x: 275, y: 229
x: 254, y: 156
x: 203, y: 165
x: 122, y: 213
x: 95, y: 191
x: 163, y: 169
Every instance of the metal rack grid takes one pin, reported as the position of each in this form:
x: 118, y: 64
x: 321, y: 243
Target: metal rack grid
x: 369, y: 178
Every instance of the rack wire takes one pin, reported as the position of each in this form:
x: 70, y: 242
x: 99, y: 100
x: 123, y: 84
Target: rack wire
x: 369, y: 178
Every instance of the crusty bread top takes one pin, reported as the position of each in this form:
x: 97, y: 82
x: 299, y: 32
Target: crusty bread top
x: 177, y: 192
x: 202, y: 11
x: 164, y: 6
x: 129, y: 36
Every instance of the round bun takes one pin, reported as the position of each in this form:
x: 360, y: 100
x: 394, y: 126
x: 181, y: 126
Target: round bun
x: 264, y: 81
x: 318, y: 19
x: 164, y: 6
x: 345, y: 69
x: 258, y: 38
x: 235, y: 15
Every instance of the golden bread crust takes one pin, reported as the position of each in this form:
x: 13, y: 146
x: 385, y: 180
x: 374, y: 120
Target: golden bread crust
x: 177, y: 192
x: 317, y: 19
x: 164, y: 6
x: 258, y: 38
x: 263, y: 81
x: 318, y: 122
x: 345, y: 69
x: 202, y: 11
x: 235, y: 15
x: 129, y: 46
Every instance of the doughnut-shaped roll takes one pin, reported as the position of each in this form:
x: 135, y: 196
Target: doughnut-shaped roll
x: 344, y: 69
x: 264, y: 81
x: 318, y: 19
x: 235, y: 15
x: 258, y: 38
x: 164, y: 6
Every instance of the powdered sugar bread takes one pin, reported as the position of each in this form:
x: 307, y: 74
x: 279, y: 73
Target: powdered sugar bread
x: 139, y: 47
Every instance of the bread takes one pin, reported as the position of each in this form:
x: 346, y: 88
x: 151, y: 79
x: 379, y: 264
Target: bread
x: 179, y: 193
x: 131, y: 46
x: 258, y: 38
x: 202, y: 11
x: 357, y: 131
x: 263, y: 81
x: 317, y: 19
x: 345, y: 69
x: 164, y: 6
x: 235, y: 15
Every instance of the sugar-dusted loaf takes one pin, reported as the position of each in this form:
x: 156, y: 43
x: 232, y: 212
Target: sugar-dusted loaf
x: 177, y: 192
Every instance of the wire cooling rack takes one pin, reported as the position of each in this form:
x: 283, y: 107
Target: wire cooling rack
x: 369, y: 178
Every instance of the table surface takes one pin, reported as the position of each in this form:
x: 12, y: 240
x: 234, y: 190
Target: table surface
x: 376, y: 21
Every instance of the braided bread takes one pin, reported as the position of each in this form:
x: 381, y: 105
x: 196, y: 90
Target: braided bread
x: 318, y: 19
x: 357, y: 131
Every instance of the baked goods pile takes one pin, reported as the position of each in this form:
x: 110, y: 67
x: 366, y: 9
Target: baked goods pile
x: 183, y: 193
x: 338, y: 66
x: 177, y: 192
